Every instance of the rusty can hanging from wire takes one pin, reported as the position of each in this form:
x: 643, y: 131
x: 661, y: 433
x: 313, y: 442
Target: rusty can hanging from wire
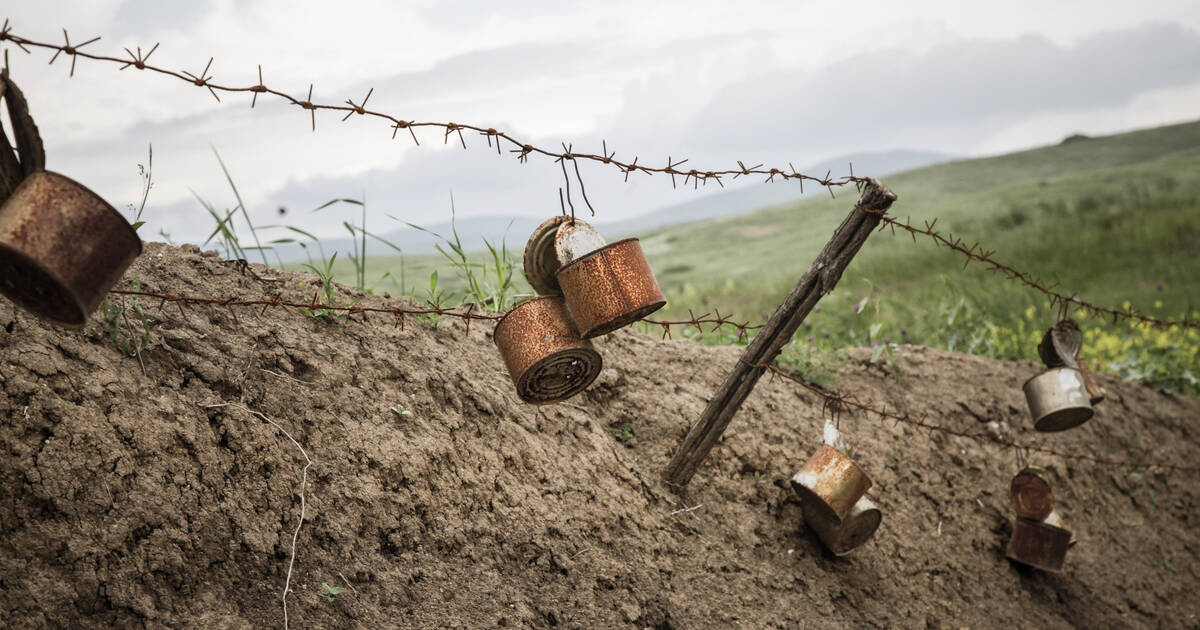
x: 1058, y: 399
x: 842, y: 537
x: 610, y: 288
x: 830, y: 483
x: 1038, y: 544
x: 546, y: 358
x: 606, y: 286
x: 62, y: 247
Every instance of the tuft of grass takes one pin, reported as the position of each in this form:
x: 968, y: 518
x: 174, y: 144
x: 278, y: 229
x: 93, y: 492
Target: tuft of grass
x: 326, y: 296
x: 129, y: 335
x: 624, y: 435
x: 146, y: 173
x: 489, y: 286
x: 814, y: 364
x: 330, y: 593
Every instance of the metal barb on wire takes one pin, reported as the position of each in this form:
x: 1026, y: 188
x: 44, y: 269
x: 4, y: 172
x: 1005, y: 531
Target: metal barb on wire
x: 358, y: 109
x: 203, y: 79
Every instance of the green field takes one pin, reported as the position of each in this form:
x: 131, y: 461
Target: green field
x: 1114, y: 220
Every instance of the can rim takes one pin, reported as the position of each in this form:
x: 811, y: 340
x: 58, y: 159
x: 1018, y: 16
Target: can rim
x: 592, y: 254
x: 1048, y: 371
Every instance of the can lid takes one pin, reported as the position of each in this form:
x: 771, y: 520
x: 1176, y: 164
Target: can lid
x: 575, y: 239
x: 1031, y: 494
x: 541, y: 260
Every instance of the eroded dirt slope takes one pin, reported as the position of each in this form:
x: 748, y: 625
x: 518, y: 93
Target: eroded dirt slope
x: 159, y: 499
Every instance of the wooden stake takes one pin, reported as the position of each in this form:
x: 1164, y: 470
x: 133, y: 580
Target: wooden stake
x: 819, y: 280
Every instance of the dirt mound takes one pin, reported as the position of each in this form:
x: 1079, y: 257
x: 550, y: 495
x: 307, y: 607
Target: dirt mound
x: 170, y: 498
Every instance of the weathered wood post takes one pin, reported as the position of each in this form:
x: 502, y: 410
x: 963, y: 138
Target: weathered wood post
x: 819, y: 280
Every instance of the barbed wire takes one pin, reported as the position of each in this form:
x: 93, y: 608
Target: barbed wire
x: 522, y: 149
x: 835, y: 402
x: 715, y: 318
x: 398, y: 313
x: 976, y: 253
x: 467, y: 314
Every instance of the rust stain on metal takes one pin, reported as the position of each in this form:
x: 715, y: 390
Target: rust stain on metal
x: 1038, y: 544
x: 1058, y: 399
x: 830, y: 483
x: 62, y: 248
x: 610, y: 288
x: 546, y: 358
x: 1031, y: 494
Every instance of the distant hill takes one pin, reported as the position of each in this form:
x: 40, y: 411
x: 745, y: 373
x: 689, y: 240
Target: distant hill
x: 473, y: 230
x: 1114, y: 219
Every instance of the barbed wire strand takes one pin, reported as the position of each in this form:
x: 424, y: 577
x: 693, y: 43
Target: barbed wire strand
x: 138, y: 60
x: 841, y: 402
x: 522, y: 149
x: 977, y: 253
x: 467, y: 314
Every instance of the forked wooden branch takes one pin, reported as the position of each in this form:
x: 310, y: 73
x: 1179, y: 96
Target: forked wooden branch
x: 819, y: 280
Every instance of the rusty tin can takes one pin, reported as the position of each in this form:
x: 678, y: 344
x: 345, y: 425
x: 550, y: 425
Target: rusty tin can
x: 1039, y: 545
x: 541, y: 259
x: 1031, y: 494
x: 610, y: 288
x: 62, y: 248
x: 842, y: 537
x: 545, y: 355
x: 1058, y: 399
x: 830, y: 483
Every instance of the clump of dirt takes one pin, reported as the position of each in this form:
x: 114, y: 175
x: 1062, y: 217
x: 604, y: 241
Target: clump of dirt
x: 161, y: 490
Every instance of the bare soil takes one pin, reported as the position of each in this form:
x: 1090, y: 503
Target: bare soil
x: 147, y: 493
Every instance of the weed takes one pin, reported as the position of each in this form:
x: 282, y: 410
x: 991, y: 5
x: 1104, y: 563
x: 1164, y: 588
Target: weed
x: 813, y: 364
x: 434, y: 299
x: 127, y: 338
x: 358, y: 238
x: 1134, y: 444
x: 146, y: 173
x: 325, y: 297
x: 625, y: 435
x: 330, y: 593
x: 399, y: 410
x: 241, y: 206
x: 1139, y: 487
x: 489, y: 287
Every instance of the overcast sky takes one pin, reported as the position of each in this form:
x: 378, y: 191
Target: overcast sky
x: 797, y: 82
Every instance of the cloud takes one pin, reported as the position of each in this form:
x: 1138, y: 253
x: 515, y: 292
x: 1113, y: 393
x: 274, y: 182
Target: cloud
x: 714, y: 83
x: 948, y: 98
